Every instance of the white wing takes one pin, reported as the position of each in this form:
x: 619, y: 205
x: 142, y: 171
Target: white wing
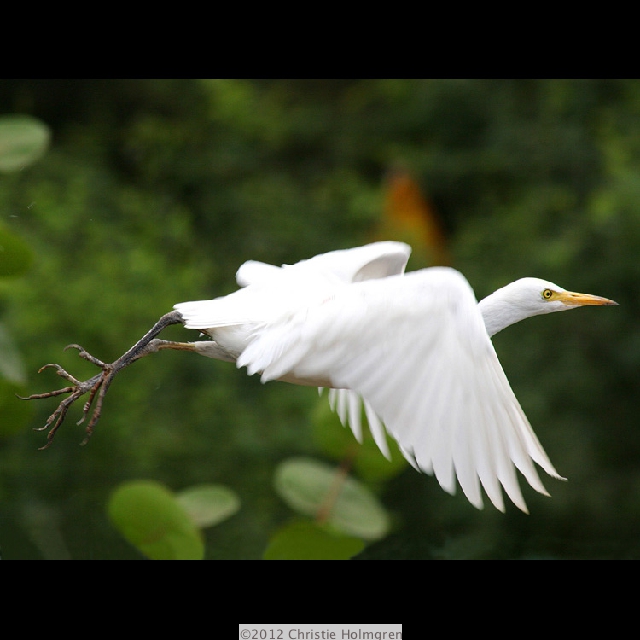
x: 416, y: 349
x: 266, y: 285
x: 375, y: 260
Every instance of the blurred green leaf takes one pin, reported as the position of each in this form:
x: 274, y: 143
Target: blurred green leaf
x: 11, y: 364
x: 208, y: 504
x: 149, y: 517
x: 22, y: 141
x: 15, y: 414
x: 307, y: 486
x: 305, y: 540
x: 15, y: 254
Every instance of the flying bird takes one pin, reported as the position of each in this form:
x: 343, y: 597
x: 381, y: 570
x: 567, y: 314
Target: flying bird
x: 412, y: 349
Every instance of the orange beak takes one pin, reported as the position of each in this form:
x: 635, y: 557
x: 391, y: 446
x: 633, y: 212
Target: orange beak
x: 578, y: 299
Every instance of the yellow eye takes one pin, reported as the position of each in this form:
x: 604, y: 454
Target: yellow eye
x: 547, y: 294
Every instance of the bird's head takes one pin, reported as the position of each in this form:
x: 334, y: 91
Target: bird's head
x: 531, y: 297
x: 541, y: 296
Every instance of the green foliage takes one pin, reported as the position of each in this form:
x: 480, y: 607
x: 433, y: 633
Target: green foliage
x: 15, y: 415
x: 304, y: 540
x: 11, y: 364
x: 23, y: 140
x: 310, y: 487
x: 208, y: 505
x: 150, y: 518
x: 165, y: 525
x: 15, y: 255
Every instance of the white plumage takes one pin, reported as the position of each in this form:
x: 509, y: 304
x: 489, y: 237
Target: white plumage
x: 415, y: 348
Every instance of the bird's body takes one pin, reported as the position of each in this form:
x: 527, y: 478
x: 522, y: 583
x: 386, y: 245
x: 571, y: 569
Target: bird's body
x: 413, y: 349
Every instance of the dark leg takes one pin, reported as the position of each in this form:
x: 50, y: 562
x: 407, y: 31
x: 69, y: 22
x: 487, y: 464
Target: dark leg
x: 98, y: 386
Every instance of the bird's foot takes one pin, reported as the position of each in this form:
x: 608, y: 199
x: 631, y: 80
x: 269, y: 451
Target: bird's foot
x: 97, y: 386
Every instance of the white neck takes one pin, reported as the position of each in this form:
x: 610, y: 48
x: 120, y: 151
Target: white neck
x: 505, y: 307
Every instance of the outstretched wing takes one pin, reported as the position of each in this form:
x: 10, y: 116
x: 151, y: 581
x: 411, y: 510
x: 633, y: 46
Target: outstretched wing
x: 416, y: 349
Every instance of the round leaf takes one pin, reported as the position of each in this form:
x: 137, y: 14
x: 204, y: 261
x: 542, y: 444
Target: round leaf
x: 208, y: 504
x: 308, y: 486
x: 149, y: 517
x: 22, y: 141
x: 304, y: 540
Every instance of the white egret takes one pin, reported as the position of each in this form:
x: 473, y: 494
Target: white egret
x: 414, y: 348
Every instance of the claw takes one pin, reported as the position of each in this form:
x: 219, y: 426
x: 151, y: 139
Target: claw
x: 86, y: 355
x: 49, y: 366
x: 60, y: 371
